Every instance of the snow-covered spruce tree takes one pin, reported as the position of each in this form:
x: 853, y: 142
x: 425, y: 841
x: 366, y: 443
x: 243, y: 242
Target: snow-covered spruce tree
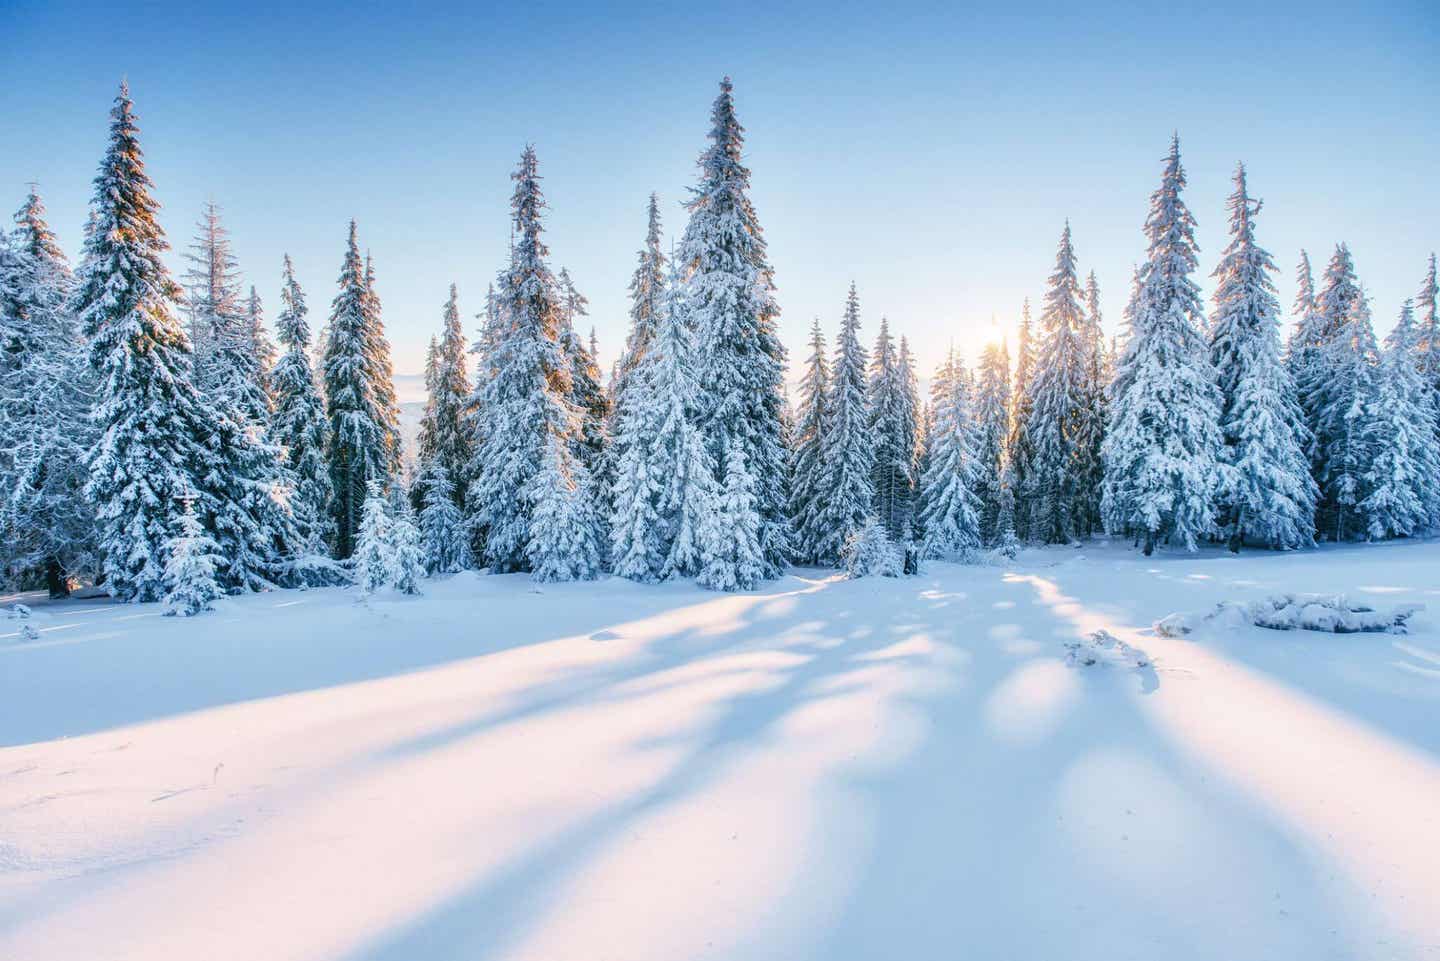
x: 262, y: 348
x: 373, y: 558
x: 730, y: 534
x: 1020, y: 448
x: 1403, y: 480
x: 46, y: 390
x: 992, y: 413
x: 381, y: 371
x: 1267, y: 497
x: 1060, y: 399
x: 407, y: 550
x: 1094, y: 417
x: 252, y: 525
x: 729, y: 300
x: 564, y: 530
x: 444, y: 436
x: 298, y: 425
x: 1162, y: 454
x: 847, y: 454
x: 647, y: 300
x: 359, y: 407
x: 809, y: 440
x: 689, y: 492
x: 950, y: 506
x: 192, y: 556
x: 212, y: 293
x: 1303, y: 345
x: 1338, y: 393
x: 529, y: 429
x: 158, y: 438
x: 1427, y: 340
x: 871, y: 553
x: 442, y: 526
x: 912, y: 429
x: 587, y: 393
x: 637, y: 535
x: 666, y: 489
x: 891, y: 437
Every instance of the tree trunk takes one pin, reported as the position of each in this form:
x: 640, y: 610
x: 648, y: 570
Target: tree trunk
x: 55, y: 579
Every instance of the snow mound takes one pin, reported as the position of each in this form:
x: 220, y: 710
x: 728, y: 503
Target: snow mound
x: 1330, y: 613
x: 1102, y: 647
x: 17, y: 613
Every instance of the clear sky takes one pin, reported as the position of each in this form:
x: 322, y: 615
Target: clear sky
x: 931, y: 153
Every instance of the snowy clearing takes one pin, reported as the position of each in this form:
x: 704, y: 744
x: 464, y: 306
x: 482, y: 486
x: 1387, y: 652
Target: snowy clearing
x: 823, y: 769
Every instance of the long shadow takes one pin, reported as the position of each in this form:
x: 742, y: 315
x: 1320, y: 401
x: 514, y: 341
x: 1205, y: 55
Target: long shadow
x: 116, y: 665
x: 988, y: 848
x: 489, y: 916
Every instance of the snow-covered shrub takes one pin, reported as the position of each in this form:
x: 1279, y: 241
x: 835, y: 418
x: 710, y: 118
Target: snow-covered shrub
x: 17, y: 612
x: 1333, y: 613
x: 1330, y: 613
x: 190, y: 584
x: 1102, y: 647
x: 315, y: 570
x: 869, y: 552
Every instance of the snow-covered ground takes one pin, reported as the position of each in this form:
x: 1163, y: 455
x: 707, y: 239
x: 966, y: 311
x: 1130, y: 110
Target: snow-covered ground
x: 824, y: 769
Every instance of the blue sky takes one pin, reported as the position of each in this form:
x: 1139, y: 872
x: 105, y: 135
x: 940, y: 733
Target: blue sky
x: 931, y: 153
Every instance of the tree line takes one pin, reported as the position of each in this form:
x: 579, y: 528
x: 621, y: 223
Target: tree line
x: 154, y: 438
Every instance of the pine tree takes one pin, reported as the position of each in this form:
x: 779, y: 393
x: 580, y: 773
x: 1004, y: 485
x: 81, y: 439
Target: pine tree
x: 809, y: 441
x: 1162, y: 452
x: 992, y: 412
x: 950, y: 508
x: 212, y: 294
x: 1020, y: 448
x: 46, y: 391
x: 1093, y: 419
x: 891, y: 437
x: 444, y: 436
x: 381, y: 373
x: 911, y: 435
x: 847, y: 489
x: 373, y: 558
x: 298, y: 425
x: 564, y: 531
x: 1267, y: 495
x: 262, y: 348
x: 190, y: 585
x: 525, y: 459
x: 587, y: 393
x: 665, y: 489
x: 647, y: 299
x: 1427, y: 341
x: 1060, y: 398
x: 359, y: 400
x: 729, y: 297
x: 442, y: 526
x: 730, y: 536
x: 637, y: 535
x: 1338, y: 391
x: 407, y: 551
x: 158, y: 438
x: 1403, y: 481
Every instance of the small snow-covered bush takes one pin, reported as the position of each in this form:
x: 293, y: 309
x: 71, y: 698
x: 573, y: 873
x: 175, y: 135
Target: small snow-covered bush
x: 17, y: 612
x: 869, y: 552
x: 1334, y: 613
x: 1330, y: 613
